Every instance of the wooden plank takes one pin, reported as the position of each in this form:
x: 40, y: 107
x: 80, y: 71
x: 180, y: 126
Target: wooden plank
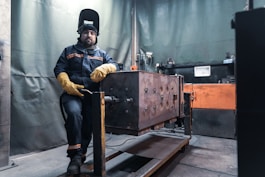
x: 212, y: 96
x: 150, y: 146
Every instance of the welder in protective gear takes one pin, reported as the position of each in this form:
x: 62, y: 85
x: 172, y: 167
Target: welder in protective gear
x: 82, y: 65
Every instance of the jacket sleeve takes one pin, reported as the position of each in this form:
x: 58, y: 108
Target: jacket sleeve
x: 61, y: 64
x: 108, y: 59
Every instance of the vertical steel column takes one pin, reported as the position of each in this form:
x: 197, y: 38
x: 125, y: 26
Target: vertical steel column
x: 5, y: 84
x: 250, y: 113
x: 98, y: 117
x: 134, y: 34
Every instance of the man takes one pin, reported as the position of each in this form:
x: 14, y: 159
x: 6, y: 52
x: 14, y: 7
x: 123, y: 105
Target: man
x: 82, y: 65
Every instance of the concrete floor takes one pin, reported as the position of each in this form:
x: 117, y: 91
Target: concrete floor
x: 204, y: 157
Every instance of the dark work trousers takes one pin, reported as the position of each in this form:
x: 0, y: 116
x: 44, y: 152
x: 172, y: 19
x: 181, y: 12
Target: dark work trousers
x: 79, y: 121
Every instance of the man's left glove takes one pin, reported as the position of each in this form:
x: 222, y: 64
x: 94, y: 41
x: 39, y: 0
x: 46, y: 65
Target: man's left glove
x: 70, y: 87
x: 101, y: 72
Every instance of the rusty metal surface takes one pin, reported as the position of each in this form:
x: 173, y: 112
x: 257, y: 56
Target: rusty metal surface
x: 142, y: 100
x: 212, y: 95
x: 151, y: 145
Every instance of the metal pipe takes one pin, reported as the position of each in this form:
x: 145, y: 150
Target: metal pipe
x: 111, y: 99
x: 134, y: 34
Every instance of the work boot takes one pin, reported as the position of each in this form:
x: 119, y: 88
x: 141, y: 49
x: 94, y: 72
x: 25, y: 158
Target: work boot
x: 75, y: 163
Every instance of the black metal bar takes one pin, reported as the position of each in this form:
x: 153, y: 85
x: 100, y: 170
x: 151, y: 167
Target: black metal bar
x: 250, y: 4
x: 188, y: 114
x: 98, y: 117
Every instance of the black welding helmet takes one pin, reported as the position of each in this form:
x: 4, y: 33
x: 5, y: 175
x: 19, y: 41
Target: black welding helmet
x: 88, y: 19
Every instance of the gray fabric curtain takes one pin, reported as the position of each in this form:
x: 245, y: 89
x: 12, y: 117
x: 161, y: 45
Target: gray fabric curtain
x: 189, y: 31
x: 40, y: 31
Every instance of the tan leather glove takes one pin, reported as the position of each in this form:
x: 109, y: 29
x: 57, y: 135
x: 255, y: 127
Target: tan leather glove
x: 101, y: 72
x: 70, y: 87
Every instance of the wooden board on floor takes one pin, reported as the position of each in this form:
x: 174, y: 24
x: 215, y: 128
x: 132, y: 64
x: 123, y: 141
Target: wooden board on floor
x: 156, y: 149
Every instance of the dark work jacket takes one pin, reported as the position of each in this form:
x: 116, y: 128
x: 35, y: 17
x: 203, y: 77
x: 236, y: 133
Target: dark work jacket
x: 79, y: 62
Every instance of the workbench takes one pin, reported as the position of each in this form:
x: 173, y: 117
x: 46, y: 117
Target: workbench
x: 213, y: 109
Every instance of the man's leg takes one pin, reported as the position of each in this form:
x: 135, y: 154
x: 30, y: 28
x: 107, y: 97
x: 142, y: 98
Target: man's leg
x: 73, y: 108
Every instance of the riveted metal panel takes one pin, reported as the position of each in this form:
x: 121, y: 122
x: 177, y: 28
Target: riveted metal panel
x: 141, y: 100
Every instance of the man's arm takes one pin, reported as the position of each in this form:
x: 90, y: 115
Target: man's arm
x: 108, y: 66
x: 60, y: 72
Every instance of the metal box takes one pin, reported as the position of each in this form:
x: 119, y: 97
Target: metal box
x: 138, y: 100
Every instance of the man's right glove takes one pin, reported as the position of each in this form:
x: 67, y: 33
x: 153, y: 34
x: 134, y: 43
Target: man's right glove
x: 101, y: 72
x: 70, y: 87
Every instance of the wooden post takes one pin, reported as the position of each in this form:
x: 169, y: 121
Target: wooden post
x: 98, y: 117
